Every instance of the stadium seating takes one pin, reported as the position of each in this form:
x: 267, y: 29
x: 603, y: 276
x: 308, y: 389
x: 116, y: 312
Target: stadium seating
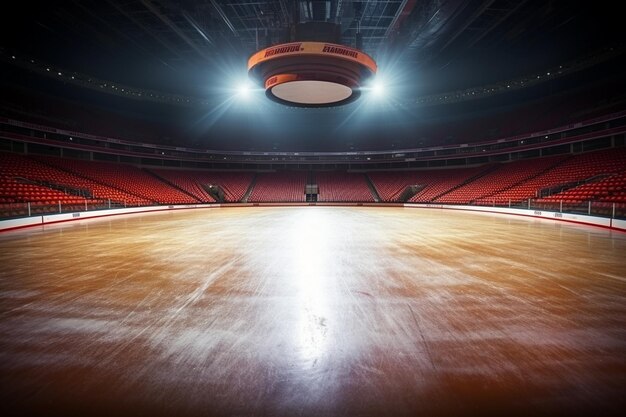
x: 342, y: 186
x: 13, y: 191
x: 442, y: 181
x: 126, y: 178
x: 279, y: 187
x: 391, y: 184
x: 23, y: 180
x: 234, y: 184
x: 575, y: 181
x: 610, y: 163
x: 503, y: 177
x: 573, y: 169
x: 52, y: 169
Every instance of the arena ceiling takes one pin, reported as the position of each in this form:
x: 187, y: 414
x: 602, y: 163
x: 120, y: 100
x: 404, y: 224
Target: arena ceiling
x: 197, y: 49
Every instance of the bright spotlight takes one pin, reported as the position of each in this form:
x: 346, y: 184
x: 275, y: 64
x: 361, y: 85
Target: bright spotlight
x: 378, y: 89
x: 375, y: 89
x: 244, y: 90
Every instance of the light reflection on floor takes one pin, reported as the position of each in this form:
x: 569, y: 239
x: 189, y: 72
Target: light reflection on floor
x: 313, y: 311
x: 309, y: 254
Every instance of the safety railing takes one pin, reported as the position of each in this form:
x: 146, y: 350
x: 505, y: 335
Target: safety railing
x: 615, y: 210
x: 592, y: 208
x: 27, y: 209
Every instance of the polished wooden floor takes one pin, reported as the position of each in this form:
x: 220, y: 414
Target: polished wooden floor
x: 313, y: 312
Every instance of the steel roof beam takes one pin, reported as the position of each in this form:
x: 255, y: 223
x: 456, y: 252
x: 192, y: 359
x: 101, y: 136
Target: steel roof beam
x: 146, y: 29
x: 224, y: 17
x: 148, y: 4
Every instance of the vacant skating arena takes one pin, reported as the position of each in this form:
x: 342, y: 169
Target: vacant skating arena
x: 314, y: 311
x: 312, y: 208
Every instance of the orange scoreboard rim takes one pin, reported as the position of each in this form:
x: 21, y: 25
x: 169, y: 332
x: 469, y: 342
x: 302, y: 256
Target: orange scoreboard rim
x: 311, y: 74
x: 323, y: 49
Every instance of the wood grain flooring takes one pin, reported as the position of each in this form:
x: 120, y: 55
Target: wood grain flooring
x: 313, y: 311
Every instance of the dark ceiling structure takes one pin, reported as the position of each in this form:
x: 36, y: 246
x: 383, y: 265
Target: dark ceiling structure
x: 158, y: 43
x: 193, y: 49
